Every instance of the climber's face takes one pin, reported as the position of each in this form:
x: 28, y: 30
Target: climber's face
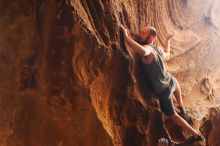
x: 145, y: 37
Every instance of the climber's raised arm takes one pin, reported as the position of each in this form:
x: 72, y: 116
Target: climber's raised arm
x: 166, y: 51
x: 142, y: 50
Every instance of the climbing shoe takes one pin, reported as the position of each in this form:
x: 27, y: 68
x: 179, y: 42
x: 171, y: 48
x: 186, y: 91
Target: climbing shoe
x: 184, y: 114
x: 193, y: 139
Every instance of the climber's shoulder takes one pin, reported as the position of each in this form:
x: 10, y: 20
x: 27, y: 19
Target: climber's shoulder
x: 149, y: 57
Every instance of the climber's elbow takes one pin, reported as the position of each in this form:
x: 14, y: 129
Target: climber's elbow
x: 146, y: 51
x: 166, y: 56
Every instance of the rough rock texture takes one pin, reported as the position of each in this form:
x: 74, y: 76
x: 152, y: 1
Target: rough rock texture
x: 67, y: 78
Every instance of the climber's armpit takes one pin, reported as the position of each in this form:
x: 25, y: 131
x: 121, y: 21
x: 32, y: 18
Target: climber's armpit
x: 166, y: 56
x: 148, y: 50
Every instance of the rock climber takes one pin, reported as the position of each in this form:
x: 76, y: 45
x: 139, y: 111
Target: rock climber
x: 161, y: 82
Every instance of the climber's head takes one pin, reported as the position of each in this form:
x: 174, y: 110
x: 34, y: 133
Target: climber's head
x: 147, y: 35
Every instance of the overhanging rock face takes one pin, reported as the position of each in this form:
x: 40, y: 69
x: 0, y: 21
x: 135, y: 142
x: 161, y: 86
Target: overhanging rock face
x: 67, y: 78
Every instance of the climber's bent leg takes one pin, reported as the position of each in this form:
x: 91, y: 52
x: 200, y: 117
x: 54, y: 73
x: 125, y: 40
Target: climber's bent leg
x: 183, y: 124
x: 178, y: 95
x: 166, y: 105
x: 165, y: 100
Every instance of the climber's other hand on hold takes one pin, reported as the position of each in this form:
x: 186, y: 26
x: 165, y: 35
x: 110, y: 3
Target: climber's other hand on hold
x: 162, y: 142
x: 170, y: 35
x: 125, y: 31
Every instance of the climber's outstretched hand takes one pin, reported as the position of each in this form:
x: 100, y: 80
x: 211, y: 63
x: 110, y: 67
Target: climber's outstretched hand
x: 162, y: 142
x: 171, y: 35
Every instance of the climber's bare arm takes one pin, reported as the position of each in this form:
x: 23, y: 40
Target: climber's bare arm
x: 166, y: 50
x: 142, y: 50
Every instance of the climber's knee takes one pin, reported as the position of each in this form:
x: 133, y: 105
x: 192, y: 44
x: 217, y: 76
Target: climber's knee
x: 173, y: 116
x: 166, y: 102
x: 166, y: 105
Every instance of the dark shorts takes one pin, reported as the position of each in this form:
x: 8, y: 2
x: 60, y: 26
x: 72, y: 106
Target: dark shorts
x: 165, y: 98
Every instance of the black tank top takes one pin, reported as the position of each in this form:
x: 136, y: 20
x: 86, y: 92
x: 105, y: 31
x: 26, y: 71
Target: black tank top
x: 155, y: 72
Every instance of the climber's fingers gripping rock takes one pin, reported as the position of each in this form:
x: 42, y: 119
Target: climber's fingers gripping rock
x: 162, y: 142
x: 125, y: 31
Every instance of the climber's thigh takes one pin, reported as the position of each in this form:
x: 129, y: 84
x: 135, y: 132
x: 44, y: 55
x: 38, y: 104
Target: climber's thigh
x: 166, y: 102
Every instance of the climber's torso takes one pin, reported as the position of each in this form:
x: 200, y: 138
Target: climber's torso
x: 155, y: 72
